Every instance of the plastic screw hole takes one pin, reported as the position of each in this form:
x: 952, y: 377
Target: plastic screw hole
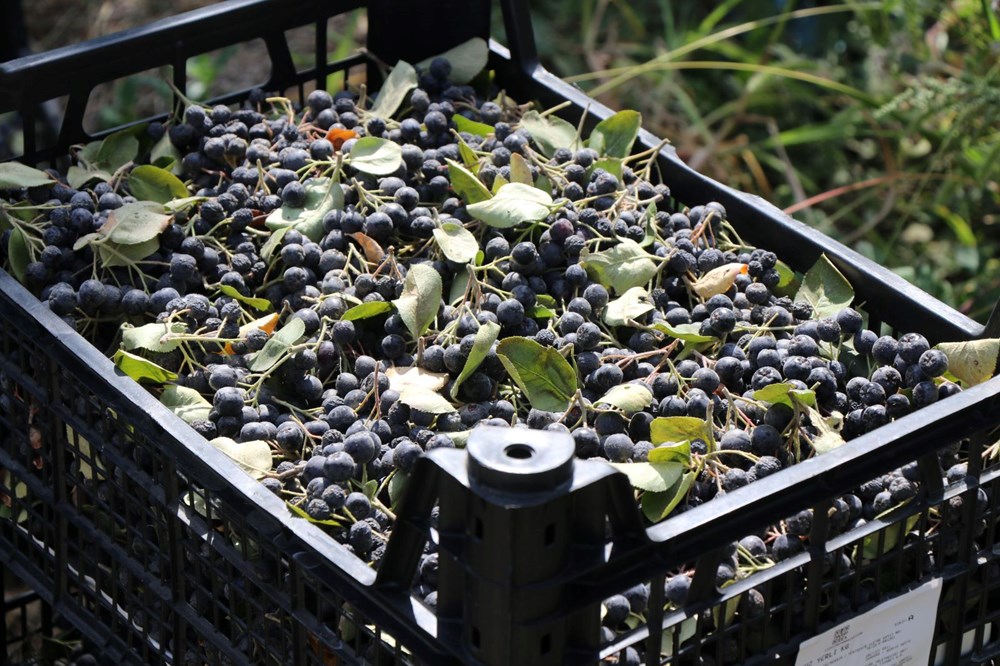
x: 519, y: 451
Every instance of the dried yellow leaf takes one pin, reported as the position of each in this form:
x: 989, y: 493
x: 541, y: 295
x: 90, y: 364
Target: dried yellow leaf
x: 718, y: 280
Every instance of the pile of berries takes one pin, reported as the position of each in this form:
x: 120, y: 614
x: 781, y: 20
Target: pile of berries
x: 340, y: 290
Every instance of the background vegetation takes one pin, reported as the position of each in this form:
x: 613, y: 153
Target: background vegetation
x: 876, y: 122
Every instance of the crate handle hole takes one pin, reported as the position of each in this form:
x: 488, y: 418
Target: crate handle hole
x: 519, y: 451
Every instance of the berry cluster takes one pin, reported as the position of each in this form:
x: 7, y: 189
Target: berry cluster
x: 353, y: 288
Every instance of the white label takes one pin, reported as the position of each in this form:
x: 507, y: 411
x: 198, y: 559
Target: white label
x: 898, y: 632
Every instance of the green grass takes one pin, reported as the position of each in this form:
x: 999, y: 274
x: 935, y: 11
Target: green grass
x: 876, y: 122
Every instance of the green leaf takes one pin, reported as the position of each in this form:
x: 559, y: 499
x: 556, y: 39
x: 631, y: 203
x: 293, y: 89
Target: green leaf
x: 612, y: 165
x: 467, y: 60
x: 520, y: 170
x: 152, y: 183
x: 400, y: 378
x: 657, y: 505
x: 485, y: 337
x: 376, y: 156
x: 418, y: 304
x: 464, y: 124
x: 277, y: 346
x: 113, y: 254
x: 397, y: 486
x: 140, y: 369
x: 499, y: 182
x: 614, y: 136
x: 631, y: 305
x: 459, y: 285
x: 629, y: 398
x: 513, y: 204
x: 85, y: 240
x: 186, y: 403
x: 546, y: 300
x: 153, y: 337
x: 322, y: 196
x: 785, y: 274
x: 550, y: 133
x: 253, y: 456
x: 894, y: 533
x: 545, y: 377
x: 261, y: 304
x: 467, y: 154
x: 78, y: 176
x: 723, y: 614
x: 542, y: 182
x: 117, y: 150
x: 825, y: 288
x: 651, y: 477
x: 401, y: 80
x: 366, y: 311
x: 541, y: 312
x: 18, y: 254
x: 621, y: 267
x: 466, y: 185
x: 135, y: 223
x: 425, y: 400
x: 14, y: 176
x: 649, y: 226
x: 273, y: 242
x: 786, y: 394
x: 680, y: 429
x: 165, y: 155
x: 685, y: 332
x: 177, y: 205
x: 671, y: 453
x: 21, y: 210
x: 89, y: 151
x: 974, y: 361
x: 457, y: 242
x: 684, y: 631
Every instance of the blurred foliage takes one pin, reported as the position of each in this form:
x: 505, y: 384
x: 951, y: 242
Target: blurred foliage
x: 875, y: 122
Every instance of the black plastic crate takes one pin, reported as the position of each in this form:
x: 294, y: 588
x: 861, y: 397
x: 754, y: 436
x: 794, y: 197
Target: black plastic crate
x: 33, y: 634
x: 206, y: 566
x: 26, y: 620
